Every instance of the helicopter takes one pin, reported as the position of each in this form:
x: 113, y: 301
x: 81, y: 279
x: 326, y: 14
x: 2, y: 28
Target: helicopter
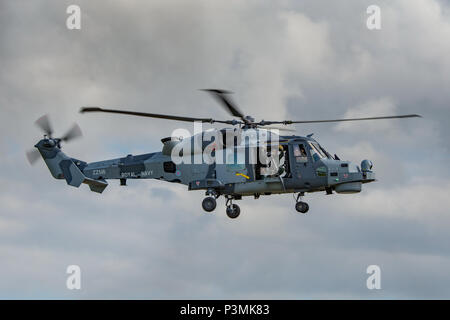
x: 270, y: 163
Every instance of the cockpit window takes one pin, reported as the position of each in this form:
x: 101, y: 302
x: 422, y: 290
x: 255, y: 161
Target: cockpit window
x: 329, y: 156
x: 317, y: 152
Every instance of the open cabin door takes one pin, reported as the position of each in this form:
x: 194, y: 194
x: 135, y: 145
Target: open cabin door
x: 300, y: 165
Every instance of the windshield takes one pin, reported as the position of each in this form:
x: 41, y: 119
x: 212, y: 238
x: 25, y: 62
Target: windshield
x: 329, y: 156
x: 317, y: 152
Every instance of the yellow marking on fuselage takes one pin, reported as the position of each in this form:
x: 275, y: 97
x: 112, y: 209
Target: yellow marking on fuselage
x: 241, y: 174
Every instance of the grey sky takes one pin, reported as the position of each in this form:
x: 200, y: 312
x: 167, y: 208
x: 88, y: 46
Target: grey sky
x: 284, y: 59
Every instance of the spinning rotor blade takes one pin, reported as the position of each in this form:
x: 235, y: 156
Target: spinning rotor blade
x: 73, y: 133
x: 44, y: 123
x: 227, y: 103
x: 33, y: 156
x: 154, y: 115
x: 339, y: 120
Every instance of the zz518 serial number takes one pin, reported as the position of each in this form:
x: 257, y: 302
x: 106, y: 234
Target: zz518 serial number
x: 246, y: 309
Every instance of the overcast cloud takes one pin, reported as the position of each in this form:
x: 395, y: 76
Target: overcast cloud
x: 284, y: 60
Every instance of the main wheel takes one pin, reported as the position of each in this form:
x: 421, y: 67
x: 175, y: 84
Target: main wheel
x: 233, y: 211
x: 209, y: 204
x: 302, y: 207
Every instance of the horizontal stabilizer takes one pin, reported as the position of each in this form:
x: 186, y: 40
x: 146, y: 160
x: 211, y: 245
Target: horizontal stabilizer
x: 96, y: 185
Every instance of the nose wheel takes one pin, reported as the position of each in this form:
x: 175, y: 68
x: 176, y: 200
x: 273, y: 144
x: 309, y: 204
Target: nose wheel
x: 301, y: 206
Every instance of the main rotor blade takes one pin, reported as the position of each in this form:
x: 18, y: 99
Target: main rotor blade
x: 33, y: 156
x: 150, y: 115
x: 286, y: 122
x: 44, y: 123
x: 279, y: 128
x: 73, y: 133
x: 227, y: 103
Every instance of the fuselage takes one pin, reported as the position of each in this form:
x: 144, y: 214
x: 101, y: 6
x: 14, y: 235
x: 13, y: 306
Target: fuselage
x: 304, y: 167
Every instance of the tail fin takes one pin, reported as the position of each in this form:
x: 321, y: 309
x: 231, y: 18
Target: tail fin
x: 63, y: 167
x: 73, y: 175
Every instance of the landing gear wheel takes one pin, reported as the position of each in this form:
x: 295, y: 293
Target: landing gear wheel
x: 209, y: 204
x: 302, y: 207
x: 233, y: 211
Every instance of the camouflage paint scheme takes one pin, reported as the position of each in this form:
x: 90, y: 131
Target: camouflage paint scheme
x: 326, y: 174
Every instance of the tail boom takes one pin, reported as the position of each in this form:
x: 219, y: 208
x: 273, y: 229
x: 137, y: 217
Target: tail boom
x: 63, y: 167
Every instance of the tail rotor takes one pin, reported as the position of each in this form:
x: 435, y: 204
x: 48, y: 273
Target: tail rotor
x: 33, y: 155
x: 45, y: 125
x: 73, y: 133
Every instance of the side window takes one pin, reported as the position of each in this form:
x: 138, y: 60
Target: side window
x: 300, y: 153
x: 169, y: 166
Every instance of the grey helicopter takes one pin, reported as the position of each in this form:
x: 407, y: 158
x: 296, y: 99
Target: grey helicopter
x: 269, y: 163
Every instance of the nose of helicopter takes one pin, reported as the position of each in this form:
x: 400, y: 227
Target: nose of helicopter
x: 350, y: 176
x: 366, y: 169
x: 366, y: 165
